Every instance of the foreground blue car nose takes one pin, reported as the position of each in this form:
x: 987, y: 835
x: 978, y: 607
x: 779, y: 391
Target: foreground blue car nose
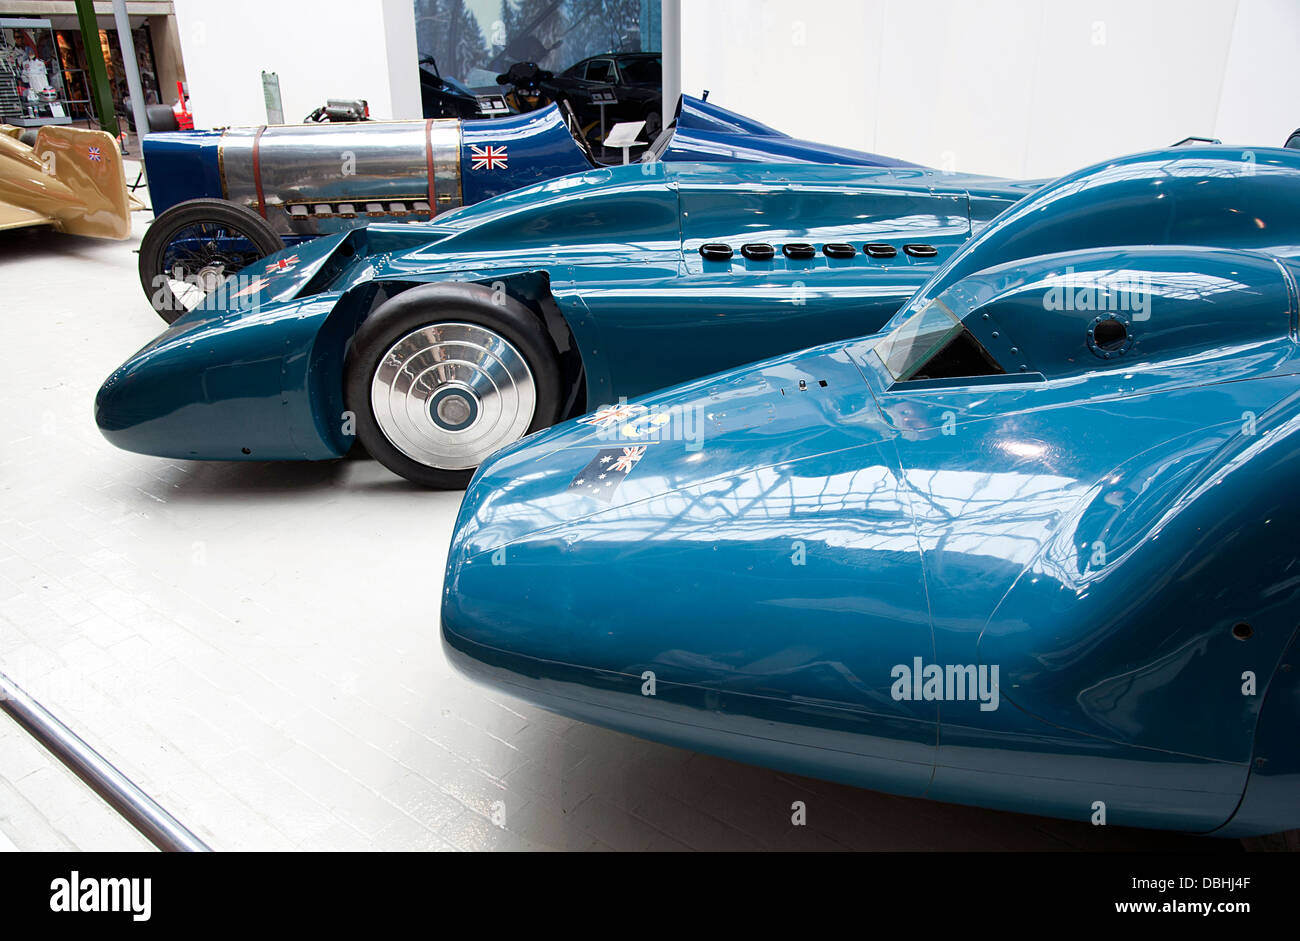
x: 167, y: 400
x: 249, y: 385
x: 758, y: 604
x: 623, y: 628
x: 251, y: 374
x: 1028, y: 549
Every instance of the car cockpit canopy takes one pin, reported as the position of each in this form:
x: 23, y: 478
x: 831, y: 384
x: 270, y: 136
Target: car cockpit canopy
x: 1129, y: 308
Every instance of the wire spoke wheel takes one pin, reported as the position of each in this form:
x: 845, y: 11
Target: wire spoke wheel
x: 449, y: 394
x: 195, y: 248
x: 200, y: 258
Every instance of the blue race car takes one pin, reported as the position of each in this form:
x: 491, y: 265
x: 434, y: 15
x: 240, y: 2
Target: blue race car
x: 437, y: 344
x: 1030, y: 547
x: 225, y: 199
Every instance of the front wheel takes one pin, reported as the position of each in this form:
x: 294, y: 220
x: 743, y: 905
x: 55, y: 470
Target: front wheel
x: 197, y: 246
x: 443, y: 375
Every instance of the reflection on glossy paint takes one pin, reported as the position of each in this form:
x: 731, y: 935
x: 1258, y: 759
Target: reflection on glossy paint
x: 1094, y: 530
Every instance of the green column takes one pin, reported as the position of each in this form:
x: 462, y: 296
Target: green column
x: 100, y: 92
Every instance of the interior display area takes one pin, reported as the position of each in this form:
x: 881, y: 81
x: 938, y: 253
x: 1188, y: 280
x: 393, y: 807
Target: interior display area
x: 32, y: 90
x: 46, y: 73
x: 652, y: 425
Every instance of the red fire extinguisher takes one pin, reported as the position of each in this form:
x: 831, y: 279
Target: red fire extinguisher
x: 184, y: 120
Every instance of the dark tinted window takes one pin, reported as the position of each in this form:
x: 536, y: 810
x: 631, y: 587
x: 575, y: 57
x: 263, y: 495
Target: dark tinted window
x: 961, y: 357
x: 642, y: 71
x: 933, y: 344
x: 601, y: 70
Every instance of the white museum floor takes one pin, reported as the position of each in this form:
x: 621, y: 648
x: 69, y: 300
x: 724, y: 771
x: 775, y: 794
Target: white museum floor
x: 257, y: 647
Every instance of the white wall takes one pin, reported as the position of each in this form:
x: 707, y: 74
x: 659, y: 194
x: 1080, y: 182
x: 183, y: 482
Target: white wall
x: 1017, y: 88
x: 320, y: 48
x: 1261, y: 88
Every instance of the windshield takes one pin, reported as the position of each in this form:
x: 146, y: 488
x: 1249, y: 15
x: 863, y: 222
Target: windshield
x: 905, y: 349
x: 641, y: 71
x: 934, y: 344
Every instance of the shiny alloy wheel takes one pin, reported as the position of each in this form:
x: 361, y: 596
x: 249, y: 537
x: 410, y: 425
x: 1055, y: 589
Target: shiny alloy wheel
x: 449, y: 394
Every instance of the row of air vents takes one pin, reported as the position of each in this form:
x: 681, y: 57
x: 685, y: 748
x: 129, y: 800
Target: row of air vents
x: 803, y: 251
x: 352, y: 210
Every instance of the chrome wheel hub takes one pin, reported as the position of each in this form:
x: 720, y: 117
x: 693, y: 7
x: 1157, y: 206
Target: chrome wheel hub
x: 211, y: 277
x: 454, y: 408
x: 190, y: 290
x: 449, y: 394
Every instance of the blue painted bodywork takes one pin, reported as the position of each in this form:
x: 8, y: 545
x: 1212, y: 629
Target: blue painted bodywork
x: 540, y: 145
x: 183, y: 165
x: 705, y: 132
x: 609, y: 258
x: 1108, y: 523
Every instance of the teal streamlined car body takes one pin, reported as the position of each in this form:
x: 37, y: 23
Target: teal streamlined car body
x: 1032, y: 546
x: 439, y: 343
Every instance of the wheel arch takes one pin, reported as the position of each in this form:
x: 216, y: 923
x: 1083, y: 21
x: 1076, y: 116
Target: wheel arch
x: 1271, y: 801
x: 325, y: 372
x: 531, y: 289
x: 1140, y: 633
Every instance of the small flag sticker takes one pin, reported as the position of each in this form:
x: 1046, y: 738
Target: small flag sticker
x: 283, y: 264
x: 600, y: 479
x: 488, y: 158
x: 94, y: 154
x: 613, y: 415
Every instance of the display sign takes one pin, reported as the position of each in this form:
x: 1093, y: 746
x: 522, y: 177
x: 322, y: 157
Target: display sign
x: 625, y: 134
x: 271, y: 94
x: 624, y: 137
x: 492, y: 105
x: 604, y: 96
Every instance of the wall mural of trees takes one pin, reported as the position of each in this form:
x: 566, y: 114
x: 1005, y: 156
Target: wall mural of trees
x: 471, y: 38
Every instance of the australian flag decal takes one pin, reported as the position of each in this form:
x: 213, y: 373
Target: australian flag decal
x: 608, y: 469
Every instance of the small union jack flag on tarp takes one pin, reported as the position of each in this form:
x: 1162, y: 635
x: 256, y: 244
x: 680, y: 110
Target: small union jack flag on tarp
x: 488, y: 158
x: 283, y: 264
x: 94, y: 154
x: 609, y: 468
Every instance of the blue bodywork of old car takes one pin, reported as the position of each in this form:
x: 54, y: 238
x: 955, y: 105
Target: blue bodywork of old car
x: 297, y: 177
x: 704, y: 132
x: 225, y: 199
x: 1030, y: 547
x: 641, y: 276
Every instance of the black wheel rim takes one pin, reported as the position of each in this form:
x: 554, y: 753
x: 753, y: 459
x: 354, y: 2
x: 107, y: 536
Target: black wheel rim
x: 203, y: 256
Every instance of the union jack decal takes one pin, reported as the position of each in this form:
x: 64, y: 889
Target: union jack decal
x: 284, y: 264
x: 601, y: 477
x: 612, y: 415
x: 488, y: 158
x: 94, y: 154
x: 627, y: 460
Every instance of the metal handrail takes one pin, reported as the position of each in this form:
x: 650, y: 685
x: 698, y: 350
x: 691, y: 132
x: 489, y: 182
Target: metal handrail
x: 138, y: 809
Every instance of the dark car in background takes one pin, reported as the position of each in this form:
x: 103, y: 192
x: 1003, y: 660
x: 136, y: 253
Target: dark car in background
x: 635, y: 78
x: 442, y: 97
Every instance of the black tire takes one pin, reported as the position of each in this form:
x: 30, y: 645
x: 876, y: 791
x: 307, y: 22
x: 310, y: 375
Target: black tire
x: 217, y: 213
x: 161, y: 118
x: 430, y: 304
